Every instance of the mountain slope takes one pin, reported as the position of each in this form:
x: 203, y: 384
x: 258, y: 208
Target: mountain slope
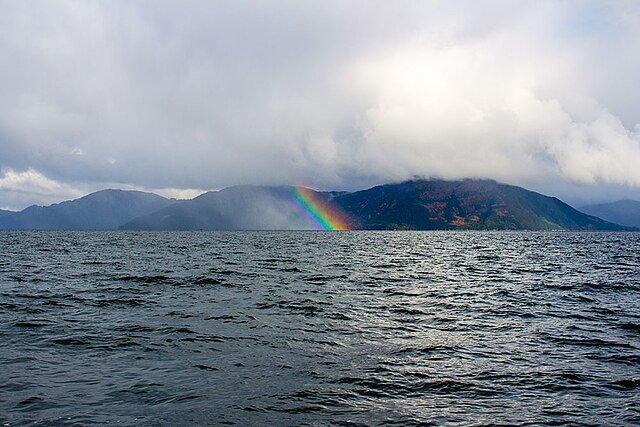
x: 105, y: 209
x: 415, y: 205
x: 234, y: 208
x: 625, y: 212
x: 467, y: 204
x: 4, y: 213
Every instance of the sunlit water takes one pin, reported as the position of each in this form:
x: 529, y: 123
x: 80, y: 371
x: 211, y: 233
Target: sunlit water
x: 315, y: 328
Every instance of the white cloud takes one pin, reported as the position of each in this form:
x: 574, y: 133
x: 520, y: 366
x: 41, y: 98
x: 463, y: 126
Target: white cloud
x: 19, y: 189
x: 33, y: 182
x: 175, y: 193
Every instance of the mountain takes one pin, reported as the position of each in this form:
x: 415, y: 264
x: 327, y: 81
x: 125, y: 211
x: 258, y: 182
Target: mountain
x: 463, y: 205
x: 4, y: 213
x: 412, y: 205
x: 625, y: 212
x: 106, y: 209
x: 234, y: 208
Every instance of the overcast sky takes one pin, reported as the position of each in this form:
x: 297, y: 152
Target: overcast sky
x: 184, y: 96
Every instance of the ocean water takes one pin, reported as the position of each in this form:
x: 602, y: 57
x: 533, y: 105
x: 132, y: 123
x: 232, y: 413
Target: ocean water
x: 319, y: 328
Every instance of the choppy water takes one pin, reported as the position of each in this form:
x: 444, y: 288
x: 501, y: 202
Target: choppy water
x: 295, y: 328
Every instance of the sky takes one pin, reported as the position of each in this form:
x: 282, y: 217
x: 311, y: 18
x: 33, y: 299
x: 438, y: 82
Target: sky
x: 180, y: 97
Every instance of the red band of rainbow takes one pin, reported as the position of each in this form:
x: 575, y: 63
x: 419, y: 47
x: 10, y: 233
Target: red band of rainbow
x: 319, y: 211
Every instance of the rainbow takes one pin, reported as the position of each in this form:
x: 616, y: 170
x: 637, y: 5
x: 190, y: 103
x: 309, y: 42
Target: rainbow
x: 321, y: 212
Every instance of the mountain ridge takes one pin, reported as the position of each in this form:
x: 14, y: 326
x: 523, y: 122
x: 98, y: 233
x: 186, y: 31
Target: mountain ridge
x: 232, y: 208
x: 468, y: 204
x: 102, y: 210
x: 464, y: 204
x: 624, y: 212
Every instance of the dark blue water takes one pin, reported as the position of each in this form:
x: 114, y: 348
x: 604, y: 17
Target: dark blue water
x: 316, y: 328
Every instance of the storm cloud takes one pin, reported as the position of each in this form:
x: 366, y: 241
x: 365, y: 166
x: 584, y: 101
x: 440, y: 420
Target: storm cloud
x: 187, y: 96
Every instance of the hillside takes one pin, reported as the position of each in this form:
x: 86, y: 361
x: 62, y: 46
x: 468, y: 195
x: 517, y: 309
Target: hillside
x: 625, y: 212
x: 413, y: 205
x: 234, y: 208
x: 106, y: 209
x: 463, y: 205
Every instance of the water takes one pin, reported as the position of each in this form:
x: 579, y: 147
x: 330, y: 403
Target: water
x: 316, y: 328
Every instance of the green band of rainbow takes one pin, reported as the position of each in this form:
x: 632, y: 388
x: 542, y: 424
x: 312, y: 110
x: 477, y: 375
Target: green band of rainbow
x: 323, y: 215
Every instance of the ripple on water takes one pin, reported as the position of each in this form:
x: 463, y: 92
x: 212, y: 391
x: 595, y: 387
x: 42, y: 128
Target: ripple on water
x: 312, y: 328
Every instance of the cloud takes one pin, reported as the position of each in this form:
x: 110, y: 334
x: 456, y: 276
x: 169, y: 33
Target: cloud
x: 19, y: 189
x: 30, y: 187
x: 204, y: 95
x: 175, y: 193
x: 432, y: 116
x: 30, y: 181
